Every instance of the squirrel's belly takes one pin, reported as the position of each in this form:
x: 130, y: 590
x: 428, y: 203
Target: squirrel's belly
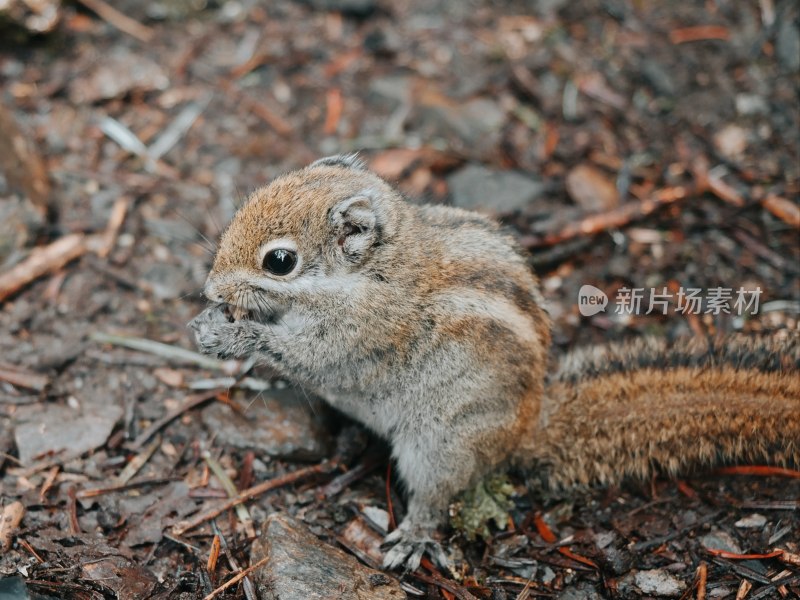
x: 372, y: 410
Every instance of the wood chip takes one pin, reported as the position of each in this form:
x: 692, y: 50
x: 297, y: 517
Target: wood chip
x: 23, y: 378
x: 743, y: 590
x: 119, y: 20
x: 10, y: 519
x: 783, y: 209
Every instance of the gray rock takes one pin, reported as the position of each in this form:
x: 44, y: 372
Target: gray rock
x: 127, y: 580
x: 278, y: 423
x: 655, y: 582
x: 13, y: 588
x: 62, y: 429
x: 475, y: 125
x: 788, y: 45
x: 301, y: 567
x: 720, y: 540
x: 476, y: 187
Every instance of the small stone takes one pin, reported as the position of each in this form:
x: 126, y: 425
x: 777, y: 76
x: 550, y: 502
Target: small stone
x: 353, y: 8
x: 301, y: 567
x: 581, y: 591
x: 656, y: 582
x: 751, y: 104
x: 731, y: 141
x: 476, y: 187
x: 721, y: 592
x: 659, y: 77
x: 117, y: 74
x: 720, y: 540
x: 170, y: 377
x: 591, y: 189
x: 37, y: 17
x: 378, y: 516
x: 279, y: 423
x: 390, y: 91
x: 475, y: 126
x: 604, y: 539
x: 548, y: 575
x: 754, y: 521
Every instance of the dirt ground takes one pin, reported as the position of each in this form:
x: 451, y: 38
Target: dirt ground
x: 647, y: 145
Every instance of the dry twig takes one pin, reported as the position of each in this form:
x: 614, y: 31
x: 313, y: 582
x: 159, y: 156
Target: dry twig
x: 334, y: 104
x: 42, y: 260
x: 261, y: 110
x: 230, y: 488
x: 253, y: 492
x: 21, y: 378
x: 760, y: 470
x: 137, y: 463
x: 236, y: 579
x: 698, y: 34
x: 167, y: 351
x: 617, y: 217
x: 445, y: 584
x: 121, y: 487
x: 188, y: 404
x: 109, y: 238
x: 122, y: 22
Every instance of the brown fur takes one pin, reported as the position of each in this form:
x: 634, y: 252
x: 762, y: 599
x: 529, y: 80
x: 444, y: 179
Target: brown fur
x: 635, y: 409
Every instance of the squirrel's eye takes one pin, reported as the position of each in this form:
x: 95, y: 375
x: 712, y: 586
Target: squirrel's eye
x: 280, y: 261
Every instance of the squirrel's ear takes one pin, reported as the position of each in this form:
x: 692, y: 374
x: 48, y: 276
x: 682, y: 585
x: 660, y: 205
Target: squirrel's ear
x: 348, y: 161
x: 355, y: 226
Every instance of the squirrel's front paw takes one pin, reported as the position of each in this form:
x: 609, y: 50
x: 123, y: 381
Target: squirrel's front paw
x: 218, y: 335
x: 407, y: 545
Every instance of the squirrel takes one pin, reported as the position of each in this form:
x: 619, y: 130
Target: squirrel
x: 426, y: 324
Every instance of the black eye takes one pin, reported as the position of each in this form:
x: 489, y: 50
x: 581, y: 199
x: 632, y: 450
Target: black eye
x: 280, y: 261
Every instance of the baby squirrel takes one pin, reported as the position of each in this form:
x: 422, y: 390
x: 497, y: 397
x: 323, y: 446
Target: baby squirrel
x: 426, y: 324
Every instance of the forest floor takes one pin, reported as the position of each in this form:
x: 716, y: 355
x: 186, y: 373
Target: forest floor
x: 630, y: 145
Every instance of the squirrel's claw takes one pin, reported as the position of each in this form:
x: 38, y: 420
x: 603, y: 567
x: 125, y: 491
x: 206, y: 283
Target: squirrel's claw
x: 406, y: 550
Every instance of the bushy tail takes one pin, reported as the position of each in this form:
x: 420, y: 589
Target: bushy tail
x: 635, y: 409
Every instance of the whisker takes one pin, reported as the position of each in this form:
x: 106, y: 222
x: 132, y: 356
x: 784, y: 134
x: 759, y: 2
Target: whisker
x: 211, y: 245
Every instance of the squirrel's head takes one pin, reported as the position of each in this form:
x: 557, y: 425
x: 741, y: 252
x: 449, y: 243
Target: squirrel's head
x: 308, y: 232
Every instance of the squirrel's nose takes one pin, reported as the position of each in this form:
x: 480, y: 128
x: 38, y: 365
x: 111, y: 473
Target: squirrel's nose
x: 212, y: 293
